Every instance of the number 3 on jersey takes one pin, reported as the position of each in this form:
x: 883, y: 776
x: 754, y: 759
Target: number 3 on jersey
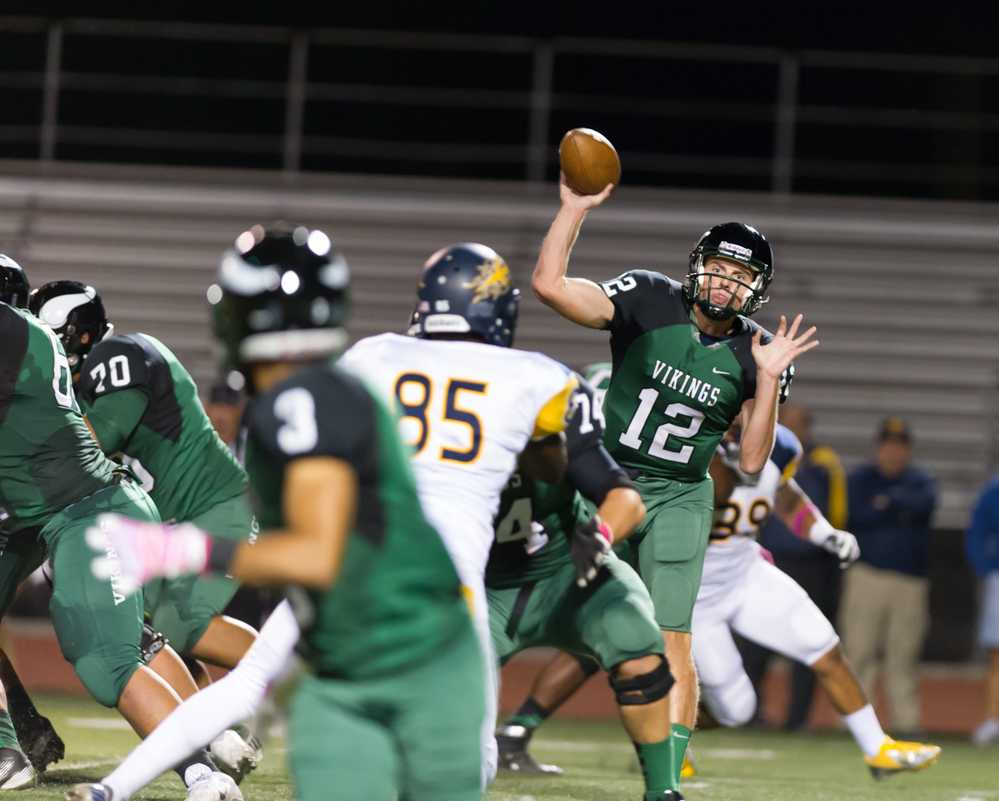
x: 414, y: 393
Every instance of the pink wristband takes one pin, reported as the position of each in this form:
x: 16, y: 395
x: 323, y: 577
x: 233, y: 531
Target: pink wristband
x: 798, y: 524
x: 605, y: 532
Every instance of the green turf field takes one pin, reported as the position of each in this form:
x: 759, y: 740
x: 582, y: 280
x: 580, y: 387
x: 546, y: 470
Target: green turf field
x: 734, y: 766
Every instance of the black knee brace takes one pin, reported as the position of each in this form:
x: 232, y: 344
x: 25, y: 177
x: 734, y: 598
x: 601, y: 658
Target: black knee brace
x: 642, y: 689
x: 151, y: 643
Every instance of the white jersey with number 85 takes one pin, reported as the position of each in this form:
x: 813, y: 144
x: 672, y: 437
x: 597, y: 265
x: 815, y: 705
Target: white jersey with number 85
x: 468, y: 410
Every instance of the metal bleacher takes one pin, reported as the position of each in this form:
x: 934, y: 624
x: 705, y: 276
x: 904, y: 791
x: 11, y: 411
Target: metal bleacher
x: 905, y: 293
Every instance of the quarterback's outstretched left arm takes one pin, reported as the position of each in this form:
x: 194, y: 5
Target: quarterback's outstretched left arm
x: 759, y: 414
x: 803, y: 518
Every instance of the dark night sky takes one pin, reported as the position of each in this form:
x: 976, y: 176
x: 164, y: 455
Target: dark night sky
x: 955, y: 29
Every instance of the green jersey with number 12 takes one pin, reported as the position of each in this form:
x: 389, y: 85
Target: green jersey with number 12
x: 48, y: 460
x: 674, y: 392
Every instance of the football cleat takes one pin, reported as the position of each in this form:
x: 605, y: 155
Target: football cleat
x: 688, y: 770
x: 89, y: 792
x: 896, y: 756
x: 16, y: 772
x: 235, y: 756
x: 42, y: 745
x: 512, y: 742
x: 214, y: 786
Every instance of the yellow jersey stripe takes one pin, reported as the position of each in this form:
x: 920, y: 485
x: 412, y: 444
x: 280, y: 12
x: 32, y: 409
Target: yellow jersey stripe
x: 554, y: 415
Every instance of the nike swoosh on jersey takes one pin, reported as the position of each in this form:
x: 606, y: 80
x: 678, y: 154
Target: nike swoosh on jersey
x: 716, y: 371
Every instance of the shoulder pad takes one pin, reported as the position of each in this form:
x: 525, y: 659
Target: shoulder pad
x: 319, y: 411
x: 586, y: 420
x: 640, y: 280
x: 787, y: 448
x: 112, y: 365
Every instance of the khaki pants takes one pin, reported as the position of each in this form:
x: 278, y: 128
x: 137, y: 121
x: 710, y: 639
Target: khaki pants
x: 883, y: 620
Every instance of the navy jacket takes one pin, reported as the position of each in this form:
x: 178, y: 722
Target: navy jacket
x: 895, y: 533
x: 982, y: 540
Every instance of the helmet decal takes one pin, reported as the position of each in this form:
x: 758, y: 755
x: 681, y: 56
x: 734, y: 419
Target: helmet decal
x: 466, y: 288
x: 492, y: 282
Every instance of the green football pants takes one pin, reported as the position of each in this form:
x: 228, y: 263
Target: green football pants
x: 415, y: 735
x: 611, y: 619
x: 667, y: 549
x: 182, y: 608
x: 98, y: 627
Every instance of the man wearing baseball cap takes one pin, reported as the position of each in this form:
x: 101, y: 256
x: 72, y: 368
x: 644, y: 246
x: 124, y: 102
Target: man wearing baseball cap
x: 885, y: 611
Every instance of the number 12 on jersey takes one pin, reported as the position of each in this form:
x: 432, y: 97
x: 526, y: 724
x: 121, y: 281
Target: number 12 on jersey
x: 657, y: 447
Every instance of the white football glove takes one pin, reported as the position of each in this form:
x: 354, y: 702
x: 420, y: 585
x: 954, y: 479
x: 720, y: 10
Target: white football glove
x: 841, y: 544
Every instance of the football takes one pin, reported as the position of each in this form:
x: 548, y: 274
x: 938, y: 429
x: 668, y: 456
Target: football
x: 588, y: 160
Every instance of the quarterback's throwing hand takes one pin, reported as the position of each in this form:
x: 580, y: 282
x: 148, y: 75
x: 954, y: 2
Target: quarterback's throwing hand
x: 581, y: 202
x: 132, y: 552
x: 775, y: 357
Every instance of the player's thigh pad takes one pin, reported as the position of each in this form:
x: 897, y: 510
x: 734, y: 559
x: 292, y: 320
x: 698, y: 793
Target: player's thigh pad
x: 183, y: 607
x: 617, y: 621
x: 338, y: 753
x: 186, y: 605
x: 671, y: 551
x: 725, y: 687
x: 97, y: 626
x: 440, y: 709
x: 778, y: 614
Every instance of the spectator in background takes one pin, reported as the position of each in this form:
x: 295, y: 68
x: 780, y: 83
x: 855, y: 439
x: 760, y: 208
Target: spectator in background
x: 885, y: 610
x: 820, y: 474
x: 982, y: 545
x: 225, y: 409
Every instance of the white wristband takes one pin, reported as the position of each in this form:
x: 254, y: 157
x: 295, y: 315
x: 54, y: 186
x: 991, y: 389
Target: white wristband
x: 820, y: 531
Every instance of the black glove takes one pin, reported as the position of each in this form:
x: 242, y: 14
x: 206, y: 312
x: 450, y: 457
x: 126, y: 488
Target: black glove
x: 590, y: 544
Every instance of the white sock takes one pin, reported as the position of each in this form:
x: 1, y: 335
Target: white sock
x: 204, y: 716
x: 866, y: 729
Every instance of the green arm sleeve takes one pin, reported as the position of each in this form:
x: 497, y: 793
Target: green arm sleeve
x: 114, y: 417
